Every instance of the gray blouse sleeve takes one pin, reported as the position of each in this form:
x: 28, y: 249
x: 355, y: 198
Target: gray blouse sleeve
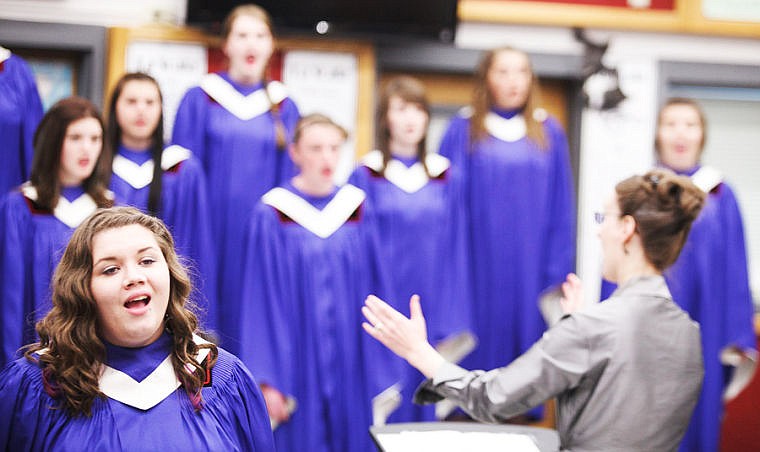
x: 556, y: 363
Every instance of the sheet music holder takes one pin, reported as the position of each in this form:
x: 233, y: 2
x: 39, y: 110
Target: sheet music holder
x: 443, y: 436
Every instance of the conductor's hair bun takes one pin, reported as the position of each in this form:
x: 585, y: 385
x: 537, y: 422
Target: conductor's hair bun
x: 664, y: 206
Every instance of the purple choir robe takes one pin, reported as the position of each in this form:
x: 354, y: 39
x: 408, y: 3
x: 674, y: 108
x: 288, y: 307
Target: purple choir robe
x: 710, y: 282
x: 232, y: 131
x: 20, y: 112
x: 33, y: 242
x: 521, y: 228
x: 421, y: 227
x: 309, y: 266
x: 184, y: 209
x: 145, y: 414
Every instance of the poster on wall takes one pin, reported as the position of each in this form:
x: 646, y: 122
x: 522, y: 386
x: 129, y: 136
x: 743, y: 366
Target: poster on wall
x: 326, y: 82
x: 176, y: 66
x: 54, y: 77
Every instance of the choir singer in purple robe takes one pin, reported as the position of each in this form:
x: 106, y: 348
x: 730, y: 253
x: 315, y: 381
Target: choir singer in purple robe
x: 710, y: 280
x: 311, y: 258
x: 121, y: 364
x: 519, y: 191
x: 238, y: 123
x: 165, y: 181
x: 68, y: 182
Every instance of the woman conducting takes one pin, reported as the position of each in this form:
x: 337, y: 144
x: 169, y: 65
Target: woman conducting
x: 626, y: 373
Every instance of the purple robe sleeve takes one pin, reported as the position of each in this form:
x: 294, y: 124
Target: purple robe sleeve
x: 32, y: 114
x: 186, y: 213
x: 289, y: 115
x: 190, y: 122
x: 20, y: 113
x: 249, y: 412
x: 266, y: 301
x: 455, y: 313
x: 13, y: 281
x: 455, y: 144
x: 560, y: 249
x: 739, y: 329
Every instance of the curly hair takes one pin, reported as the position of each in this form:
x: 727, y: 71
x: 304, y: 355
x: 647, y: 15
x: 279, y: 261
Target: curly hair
x: 70, y: 351
x: 664, y: 206
x: 482, y: 101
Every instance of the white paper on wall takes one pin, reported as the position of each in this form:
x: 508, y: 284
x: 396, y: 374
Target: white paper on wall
x: 176, y: 66
x: 327, y: 83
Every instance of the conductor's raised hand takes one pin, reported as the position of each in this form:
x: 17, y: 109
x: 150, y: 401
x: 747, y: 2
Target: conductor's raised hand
x: 406, y: 337
x: 572, y: 294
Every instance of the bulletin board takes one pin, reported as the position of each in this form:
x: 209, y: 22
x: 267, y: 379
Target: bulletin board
x: 719, y: 17
x: 334, y: 77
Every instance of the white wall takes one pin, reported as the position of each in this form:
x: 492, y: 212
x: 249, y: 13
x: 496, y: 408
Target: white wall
x: 95, y: 12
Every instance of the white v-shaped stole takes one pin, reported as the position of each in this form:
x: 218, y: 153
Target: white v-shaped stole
x: 510, y: 130
x: 409, y: 179
x: 323, y: 223
x: 146, y: 394
x: 244, y: 107
x: 4, y: 54
x: 707, y: 178
x: 139, y: 176
x: 69, y: 213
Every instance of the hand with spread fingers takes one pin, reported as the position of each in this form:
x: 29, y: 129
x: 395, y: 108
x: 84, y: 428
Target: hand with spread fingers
x: 406, y: 337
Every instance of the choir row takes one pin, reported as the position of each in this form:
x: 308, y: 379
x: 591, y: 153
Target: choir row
x: 283, y: 258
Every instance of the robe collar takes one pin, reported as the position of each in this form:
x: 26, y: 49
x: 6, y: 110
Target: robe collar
x: 322, y: 223
x: 706, y: 178
x: 151, y: 390
x: 138, y: 362
x: 244, y: 107
x: 70, y: 213
x: 140, y: 175
x: 509, y: 130
x: 507, y: 113
x: 4, y: 54
x: 408, y: 178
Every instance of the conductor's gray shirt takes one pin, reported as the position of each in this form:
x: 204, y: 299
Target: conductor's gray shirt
x: 626, y: 374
